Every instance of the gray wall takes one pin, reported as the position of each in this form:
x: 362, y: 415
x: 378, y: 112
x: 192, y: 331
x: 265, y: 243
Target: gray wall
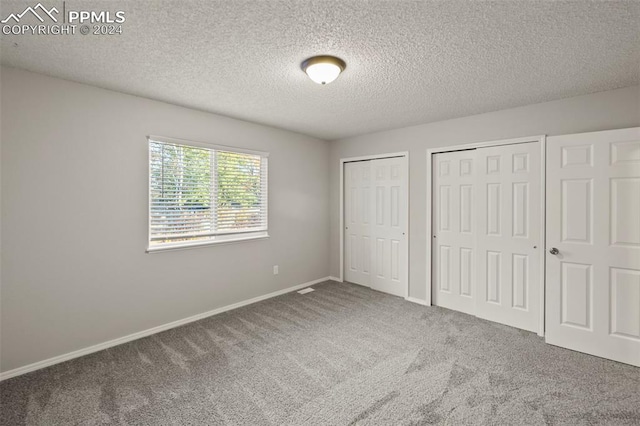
x: 600, y: 111
x: 74, y: 218
x: 74, y: 207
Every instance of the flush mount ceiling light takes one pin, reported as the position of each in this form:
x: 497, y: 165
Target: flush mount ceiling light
x: 323, y: 69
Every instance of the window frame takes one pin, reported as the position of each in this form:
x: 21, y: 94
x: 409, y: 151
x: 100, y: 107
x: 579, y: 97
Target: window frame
x: 222, y: 238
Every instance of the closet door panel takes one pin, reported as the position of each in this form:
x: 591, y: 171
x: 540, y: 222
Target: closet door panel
x: 453, y: 245
x: 508, y: 238
x: 389, y: 229
x: 358, y: 214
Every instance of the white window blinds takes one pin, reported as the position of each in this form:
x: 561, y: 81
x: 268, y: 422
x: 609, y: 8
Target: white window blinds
x: 199, y: 194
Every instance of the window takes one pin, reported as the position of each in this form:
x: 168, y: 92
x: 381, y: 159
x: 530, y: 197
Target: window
x: 201, y: 194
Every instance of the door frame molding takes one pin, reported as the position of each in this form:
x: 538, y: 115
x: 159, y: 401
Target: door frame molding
x: 404, y: 154
x: 542, y: 139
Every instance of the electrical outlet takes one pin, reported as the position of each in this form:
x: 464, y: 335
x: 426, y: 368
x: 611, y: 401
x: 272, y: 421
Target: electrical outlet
x: 275, y: 269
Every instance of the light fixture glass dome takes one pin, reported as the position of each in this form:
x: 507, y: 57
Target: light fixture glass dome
x: 323, y: 69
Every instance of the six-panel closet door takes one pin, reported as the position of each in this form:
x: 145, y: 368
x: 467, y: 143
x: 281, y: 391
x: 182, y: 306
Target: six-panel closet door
x: 486, y: 233
x: 593, y: 241
x: 376, y: 204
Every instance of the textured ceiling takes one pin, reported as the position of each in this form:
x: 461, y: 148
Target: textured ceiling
x: 408, y: 62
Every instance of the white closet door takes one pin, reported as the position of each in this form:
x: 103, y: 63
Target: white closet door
x: 389, y: 227
x: 593, y: 230
x: 453, y: 245
x: 509, y: 233
x: 357, y: 211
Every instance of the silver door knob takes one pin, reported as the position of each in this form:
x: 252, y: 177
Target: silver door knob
x: 554, y: 251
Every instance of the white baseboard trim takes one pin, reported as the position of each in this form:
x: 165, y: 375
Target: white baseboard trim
x: 335, y: 279
x: 418, y: 301
x: 115, y: 342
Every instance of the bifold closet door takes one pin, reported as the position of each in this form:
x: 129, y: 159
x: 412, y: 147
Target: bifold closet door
x: 453, y: 245
x: 357, y: 219
x: 509, y: 235
x: 375, y: 213
x: 593, y: 243
x: 486, y: 233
